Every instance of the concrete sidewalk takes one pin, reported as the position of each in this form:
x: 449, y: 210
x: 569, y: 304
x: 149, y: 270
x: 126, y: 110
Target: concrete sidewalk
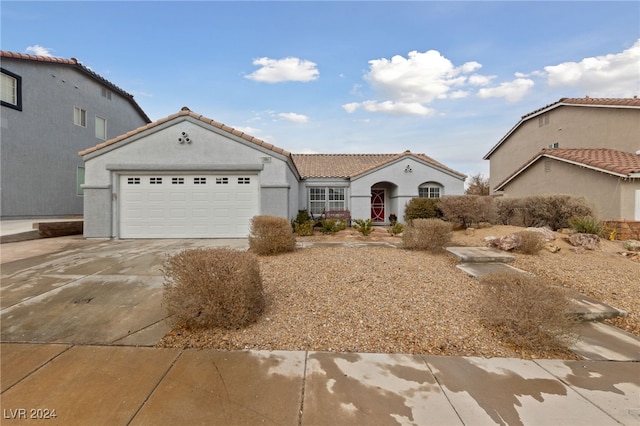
x: 117, y: 385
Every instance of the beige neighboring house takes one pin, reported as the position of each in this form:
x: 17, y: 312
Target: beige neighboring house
x: 587, y: 147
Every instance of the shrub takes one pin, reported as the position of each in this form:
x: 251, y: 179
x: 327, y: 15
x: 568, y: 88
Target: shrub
x: 271, y: 235
x: 302, y: 217
x: 427, y: 234
x: 422, y: 208
x: 303, y: 224
x: 553, y: 211
x: 304, y: 229
x: 467, y: 209
x: 587, y: 225
x: 530, y: 242
x: 478, y: 185
x: 331, y: 226
x: 208, y: 287
x: 526, y: 311
x: 395, y: 228
x: 365, y: 227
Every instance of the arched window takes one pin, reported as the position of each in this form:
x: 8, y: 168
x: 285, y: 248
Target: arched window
x: 430, y: 190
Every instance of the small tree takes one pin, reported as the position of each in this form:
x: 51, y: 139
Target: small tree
x: 478, y: 185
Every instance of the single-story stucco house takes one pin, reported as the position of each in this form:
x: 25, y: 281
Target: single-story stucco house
x: 187, y: 176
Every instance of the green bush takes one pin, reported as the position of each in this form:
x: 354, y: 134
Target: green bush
x: 422, y: 208
x: 271, y: 235
x: 304, y: 229
x: 331, y: 226
x: 427, y: 234
x: 365, y: 227
x: 395, y: 228
x: 466, y: 210
x: 526, y: 311
x: 553, y: 211
x: 208, y: 287
x: 588, y: 225
x: 530, y: 242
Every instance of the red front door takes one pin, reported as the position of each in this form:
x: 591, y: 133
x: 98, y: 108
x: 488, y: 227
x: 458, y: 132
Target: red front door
x: 377, y: 205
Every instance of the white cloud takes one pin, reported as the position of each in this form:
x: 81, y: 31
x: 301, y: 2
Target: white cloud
x: 351, y: 107
x: 480, y: 80
x: 612, y: 75
x: 512, y: 91
x: 421, y: 77
x: 287, y: 69
x: 407, y: 85
x: 292, y: 116
x: 390, y: 107
x: 39, y: 50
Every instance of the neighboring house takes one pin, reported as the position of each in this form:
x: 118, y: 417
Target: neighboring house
x: 187, y: 176
x: 51, y: 109
x: 586, y: 147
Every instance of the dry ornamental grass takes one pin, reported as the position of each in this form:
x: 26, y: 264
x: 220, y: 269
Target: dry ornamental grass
x: 391, y: 300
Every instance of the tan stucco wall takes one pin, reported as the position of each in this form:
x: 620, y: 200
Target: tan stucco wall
x: 570, y: 127
x: 611, y: 197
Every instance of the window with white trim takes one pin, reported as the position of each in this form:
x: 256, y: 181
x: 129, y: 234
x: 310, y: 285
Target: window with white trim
x: 106, y: 93
x: 430, y: 190
x: 10, y: 89
x: 199, y: 180
x: 244, y: 181
x: 326, y: 198
x: 101, y: 128
x: 79, y: 117
x: 177, y: 181
x: 155, y: 180
x: 222, y: 181
x: 133, y: 181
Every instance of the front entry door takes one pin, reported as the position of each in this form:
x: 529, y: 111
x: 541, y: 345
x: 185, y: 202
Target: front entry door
x: 377, y: 205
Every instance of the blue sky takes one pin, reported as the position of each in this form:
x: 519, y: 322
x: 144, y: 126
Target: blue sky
x: 447, y: 79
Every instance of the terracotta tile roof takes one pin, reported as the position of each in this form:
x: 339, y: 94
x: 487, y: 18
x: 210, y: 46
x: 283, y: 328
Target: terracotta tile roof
x: 184, y: 112
x: 73, y: 62
x: 619, y: 163
x: 586, y: 101
x: 352, y: 165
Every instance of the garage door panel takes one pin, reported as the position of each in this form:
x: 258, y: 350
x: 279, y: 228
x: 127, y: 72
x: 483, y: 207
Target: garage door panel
x: 155, y: 196
x: 210, y: 206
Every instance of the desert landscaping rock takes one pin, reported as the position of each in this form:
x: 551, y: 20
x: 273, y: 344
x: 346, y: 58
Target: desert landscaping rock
x: 586, y: 241
x: 385, y: 299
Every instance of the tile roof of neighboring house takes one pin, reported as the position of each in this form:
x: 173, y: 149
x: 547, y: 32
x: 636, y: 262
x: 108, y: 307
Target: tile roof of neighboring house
x: 352, y: 165
x: 618, y: 163
x: 584, y: 102
x: 587, y: 101
x: 73, y: 62
x: 186, y: 112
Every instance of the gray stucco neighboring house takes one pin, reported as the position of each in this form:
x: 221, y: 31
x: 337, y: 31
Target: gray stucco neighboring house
x: 51, y: 109
x: 187, y: 176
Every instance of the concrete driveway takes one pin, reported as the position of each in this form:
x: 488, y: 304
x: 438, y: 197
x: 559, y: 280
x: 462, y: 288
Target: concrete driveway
x: 72, y: 290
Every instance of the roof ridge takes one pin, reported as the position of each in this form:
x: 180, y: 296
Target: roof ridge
x: 619, y: 102
x: 77, y: 64
x: 185, y: 111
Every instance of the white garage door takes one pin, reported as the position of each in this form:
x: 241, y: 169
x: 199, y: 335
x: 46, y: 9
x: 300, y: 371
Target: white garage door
x: 187, y: 206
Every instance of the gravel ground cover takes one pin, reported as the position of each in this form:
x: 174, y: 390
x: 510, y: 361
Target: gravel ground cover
x: 391, y: 300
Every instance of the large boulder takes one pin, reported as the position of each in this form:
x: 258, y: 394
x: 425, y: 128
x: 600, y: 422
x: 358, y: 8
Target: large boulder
x: 586, y: 241
x: 506, y: 243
